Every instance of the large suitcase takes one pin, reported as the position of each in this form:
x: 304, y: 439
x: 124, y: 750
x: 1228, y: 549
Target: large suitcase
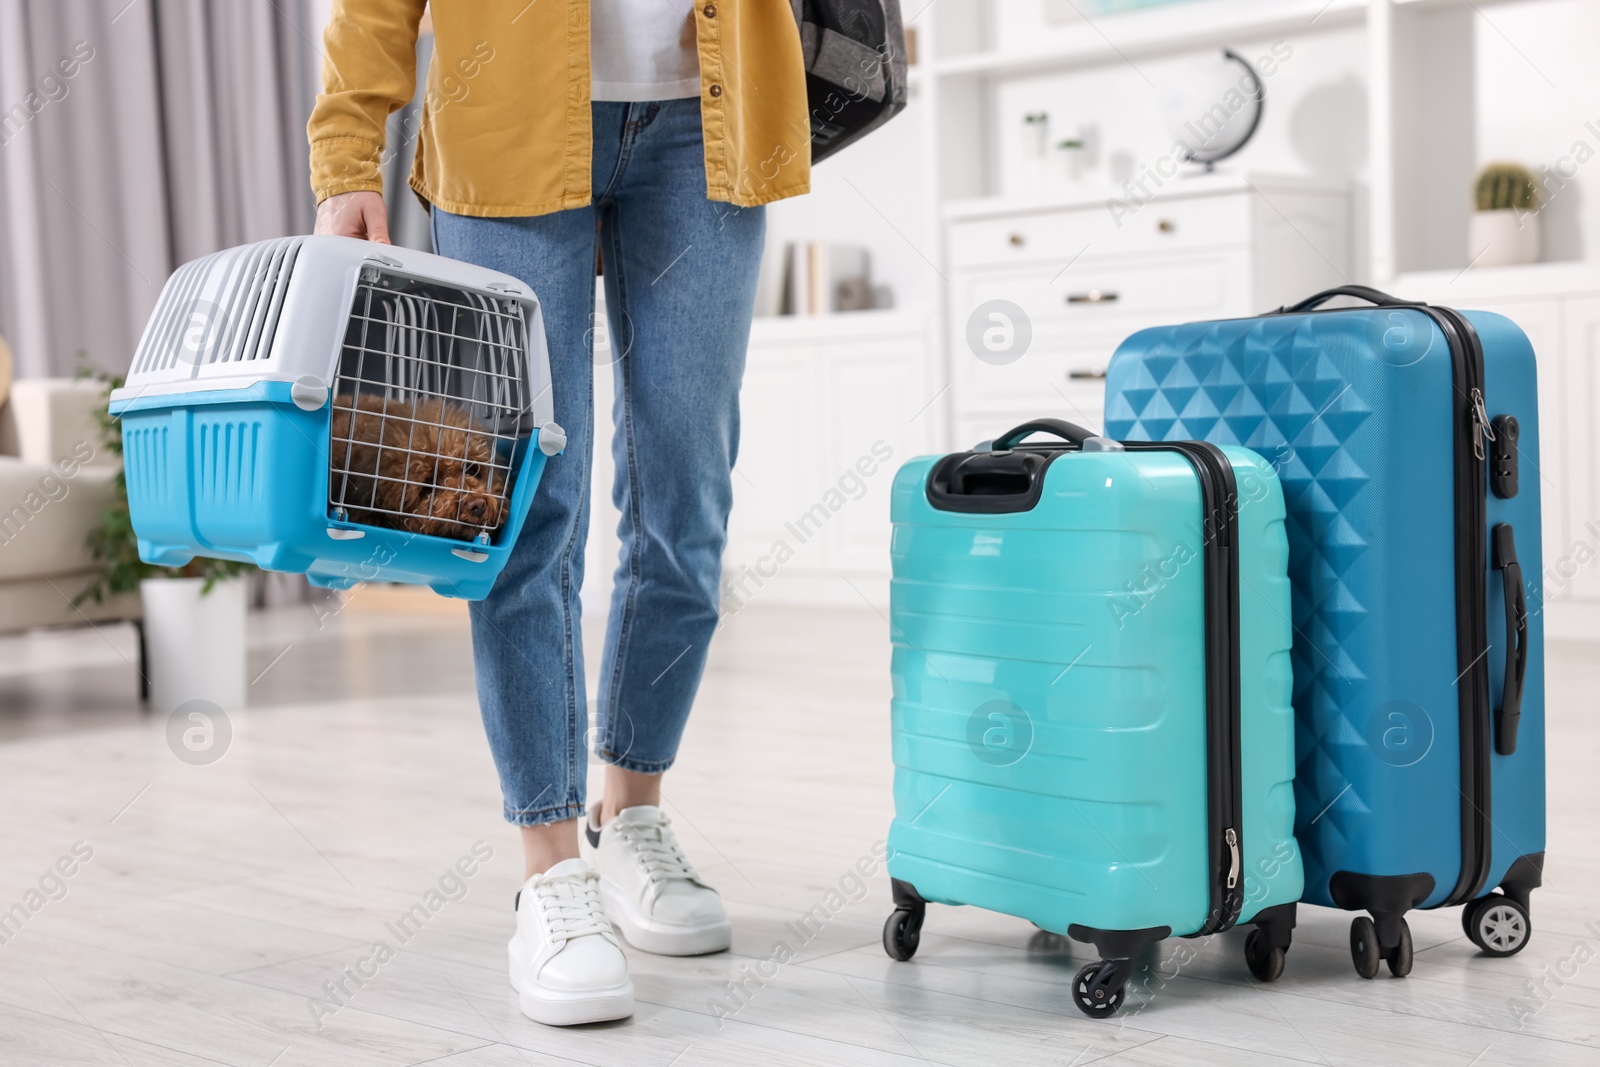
x: 1406, y: 437
x: 1092, y: 726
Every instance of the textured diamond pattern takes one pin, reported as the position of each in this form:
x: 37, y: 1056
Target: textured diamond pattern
x: 1268, y: 384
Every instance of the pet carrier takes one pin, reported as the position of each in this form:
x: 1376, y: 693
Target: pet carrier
x: 347, y: 410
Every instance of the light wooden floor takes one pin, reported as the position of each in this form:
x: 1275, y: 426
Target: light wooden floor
x: 220, y: 898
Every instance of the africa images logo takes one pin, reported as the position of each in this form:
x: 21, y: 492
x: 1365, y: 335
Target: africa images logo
x: 199, y: 732
x: 999, y: 733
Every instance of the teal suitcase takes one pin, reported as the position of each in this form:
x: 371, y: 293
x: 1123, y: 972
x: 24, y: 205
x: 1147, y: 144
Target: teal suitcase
x: 1092, y: 721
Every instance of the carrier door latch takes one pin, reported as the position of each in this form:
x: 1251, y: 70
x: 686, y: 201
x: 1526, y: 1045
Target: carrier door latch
x: 552, y: 439
x: 309, y: 392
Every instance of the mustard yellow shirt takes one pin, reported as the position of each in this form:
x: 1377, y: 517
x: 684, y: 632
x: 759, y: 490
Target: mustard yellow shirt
x: 505, y: 126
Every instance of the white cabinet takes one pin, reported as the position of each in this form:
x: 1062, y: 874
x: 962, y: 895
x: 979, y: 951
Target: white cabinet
x: 1042, y: 294
x: 830, y: 408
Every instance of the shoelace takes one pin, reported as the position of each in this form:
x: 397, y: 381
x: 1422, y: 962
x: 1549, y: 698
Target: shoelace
x: 570, y: 905
x: 658, y: 853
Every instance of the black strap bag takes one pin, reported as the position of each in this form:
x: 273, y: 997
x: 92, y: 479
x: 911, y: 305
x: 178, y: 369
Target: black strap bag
x: 855, y: 56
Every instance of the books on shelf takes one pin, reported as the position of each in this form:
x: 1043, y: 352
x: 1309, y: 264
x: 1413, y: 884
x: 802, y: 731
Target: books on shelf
x: 815, y: 278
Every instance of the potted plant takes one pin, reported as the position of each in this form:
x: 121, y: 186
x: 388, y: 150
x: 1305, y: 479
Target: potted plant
x: 194, y: 615
x: 1505, y: 227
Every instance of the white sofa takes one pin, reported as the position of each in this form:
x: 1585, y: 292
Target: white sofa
x: 56, y: 477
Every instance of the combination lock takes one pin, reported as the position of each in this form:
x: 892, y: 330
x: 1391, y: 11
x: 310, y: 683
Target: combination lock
x: 1503, y: 456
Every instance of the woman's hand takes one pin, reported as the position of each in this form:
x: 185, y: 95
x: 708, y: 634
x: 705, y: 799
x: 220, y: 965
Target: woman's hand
x: 361, y: 214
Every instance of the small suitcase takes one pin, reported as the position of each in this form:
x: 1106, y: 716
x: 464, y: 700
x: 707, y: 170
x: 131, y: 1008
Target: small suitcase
x: 1406, y: 437
x: 1092, y: 727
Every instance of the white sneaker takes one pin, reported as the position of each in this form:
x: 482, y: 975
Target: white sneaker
x: 651, y: 891
x: 566, y: 964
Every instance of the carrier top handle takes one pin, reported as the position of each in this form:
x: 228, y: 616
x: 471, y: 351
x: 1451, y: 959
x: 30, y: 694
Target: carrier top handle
x: 1355, y: 292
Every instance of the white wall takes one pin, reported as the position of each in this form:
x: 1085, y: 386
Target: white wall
x: 1538, y: 100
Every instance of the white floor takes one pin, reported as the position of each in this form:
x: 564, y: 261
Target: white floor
x: 219, y: 899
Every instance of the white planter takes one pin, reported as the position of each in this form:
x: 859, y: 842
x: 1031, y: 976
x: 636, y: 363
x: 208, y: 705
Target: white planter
x: 1503, y: 238
x: 195, y: 642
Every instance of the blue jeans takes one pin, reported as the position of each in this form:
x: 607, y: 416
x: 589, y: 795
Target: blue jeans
x: 680, y: 278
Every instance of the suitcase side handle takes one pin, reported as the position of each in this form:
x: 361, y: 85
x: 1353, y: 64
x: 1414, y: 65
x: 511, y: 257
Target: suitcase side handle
x: 1509, y: 714
x: 1067, y: 431
x: 1356, y: 292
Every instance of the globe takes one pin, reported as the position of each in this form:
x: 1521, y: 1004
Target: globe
x: 1213, y: 105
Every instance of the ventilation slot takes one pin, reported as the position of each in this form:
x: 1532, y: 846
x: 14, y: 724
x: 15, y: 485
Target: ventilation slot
x: 220, y: 309
x: 226, y: 472
x: 144, y: 457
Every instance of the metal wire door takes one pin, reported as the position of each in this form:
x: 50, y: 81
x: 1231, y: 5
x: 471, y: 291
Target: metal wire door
x: 430, y: 401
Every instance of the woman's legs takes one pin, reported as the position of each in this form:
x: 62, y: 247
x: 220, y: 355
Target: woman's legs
x: 680, y: 274
x: 527, y: 645
x: 565, y: 960
x: 680, y: 277
x: 680, y: 284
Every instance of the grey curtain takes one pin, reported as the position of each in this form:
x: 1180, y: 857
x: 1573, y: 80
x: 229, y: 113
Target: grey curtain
x: 135, y: 136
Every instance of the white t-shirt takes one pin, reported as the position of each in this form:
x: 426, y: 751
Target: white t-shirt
x: 643, y: 50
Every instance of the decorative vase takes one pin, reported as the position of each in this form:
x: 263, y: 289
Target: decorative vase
x: 1505, y: 237
x: 195, y: 642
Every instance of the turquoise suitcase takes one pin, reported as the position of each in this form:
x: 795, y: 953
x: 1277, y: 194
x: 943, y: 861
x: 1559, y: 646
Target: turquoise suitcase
x: 1092, y: 712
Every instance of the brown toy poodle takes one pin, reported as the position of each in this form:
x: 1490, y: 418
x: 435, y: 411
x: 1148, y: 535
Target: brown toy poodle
x: 418, y: 465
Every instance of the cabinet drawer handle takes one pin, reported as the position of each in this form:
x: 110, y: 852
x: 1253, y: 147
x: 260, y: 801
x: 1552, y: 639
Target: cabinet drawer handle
x: 1015, y: 240
x: 1087, y: 375
x: 1093, y: 296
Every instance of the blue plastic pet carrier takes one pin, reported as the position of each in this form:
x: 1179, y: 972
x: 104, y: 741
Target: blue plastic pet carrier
x: 347, y: 410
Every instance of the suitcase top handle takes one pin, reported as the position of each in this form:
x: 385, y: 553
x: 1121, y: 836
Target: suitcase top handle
x: 1067, y: 431
x: 1356, y: 292
x: 1004, y: 475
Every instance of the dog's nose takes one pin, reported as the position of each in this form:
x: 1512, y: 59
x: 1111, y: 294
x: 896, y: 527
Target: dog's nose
x: 475, y: 507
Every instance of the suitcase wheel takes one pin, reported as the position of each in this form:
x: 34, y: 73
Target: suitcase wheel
x: 1498, y: 925
x: 1367, y: 949
x: 902, y: 933
x: 1399, y: 957
x: 1364, y: 952
x: 1098, y: 989
x: 1264, y: 960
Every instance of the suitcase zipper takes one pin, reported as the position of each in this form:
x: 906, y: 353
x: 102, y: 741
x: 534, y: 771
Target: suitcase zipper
x: 1481, y: 429
x: 1232, y: 839
x: 1472, y: 625
x: 1219, y: 503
